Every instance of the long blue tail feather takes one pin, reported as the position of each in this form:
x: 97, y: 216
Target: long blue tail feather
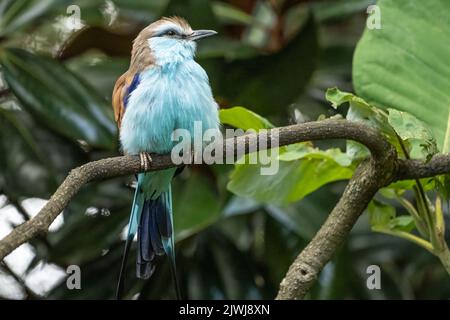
x: 152, y: 220
x: 120, y: 284
x: 136, y: 210
x: 169, y: 243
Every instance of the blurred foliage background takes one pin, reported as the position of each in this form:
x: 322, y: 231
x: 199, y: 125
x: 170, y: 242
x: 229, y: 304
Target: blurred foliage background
x: 275, y: 57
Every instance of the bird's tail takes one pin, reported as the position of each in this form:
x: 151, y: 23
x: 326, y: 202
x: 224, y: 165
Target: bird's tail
x: 151, y: 218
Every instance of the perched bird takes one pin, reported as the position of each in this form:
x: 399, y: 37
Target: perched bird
x: 164, y: 89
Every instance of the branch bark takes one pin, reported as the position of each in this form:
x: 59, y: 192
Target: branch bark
x: 370, y: 176
x: 381, y: 169
x: 363, y: 186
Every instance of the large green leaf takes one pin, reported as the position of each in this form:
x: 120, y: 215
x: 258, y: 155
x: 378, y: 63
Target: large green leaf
x: 305, y: 217
x: 199, y: 13
x: 70, y: 244
x: 142, y: 10
x: 244, y: 119
x: 401, y: 129
x: 227, y: 13
x: 102, y: 74
x: 226, y: 48
x: 302, y: 170
x: 325, y: 11
x: 58, y: 98
x: 98, y: 277
x: 195, y: 206
x: 384, y: 217
x: 265, y: 81
x: 414, y: 132
x: 103, y: 209
x: 298, y: 169
x: 14, y: 14
x: 32, y: 159
x: 380, y: 214
x: 363, y: 112
x: 19, y: 154
x: 406, y: 64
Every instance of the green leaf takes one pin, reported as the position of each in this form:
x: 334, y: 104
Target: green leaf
x: 338, y: 97
x: 300, y: 172
x: 338, y: 9
x: 306, y: 150
x: 195, y: 206
x: 226, y: 48
x: 98, y: 277
x: 199, y: 13
x: 145, y: 11
x: 14, y: 14
x: 151, y: 7
x: 102, y: 74
x: 362, y: 112
x: 295, y: 19
x: 402, y: 223
x: 306, y: 216
x: 405, y: 64
x: 258, y: 34
x: 391, y: 193
x: 104, y: 210
x: 265, y: 81
x: 19, y: 153
x: 415, y: 132
x: 58, y: 98
x: 400, y: 187
x: 32, y: 160
x: 70, y: 244
x: 380, y: 214
x: 443, y: 186
x: 383, y: 217
x: 227, y: 13
x: 395, y: 125
x: 242, y: 118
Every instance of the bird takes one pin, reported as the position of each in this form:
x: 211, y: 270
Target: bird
x: 164, y: 89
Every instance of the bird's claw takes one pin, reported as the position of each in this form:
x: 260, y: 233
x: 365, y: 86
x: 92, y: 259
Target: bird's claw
x: 146, y: 160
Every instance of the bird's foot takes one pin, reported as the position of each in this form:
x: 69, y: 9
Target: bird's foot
x: 146, y: 160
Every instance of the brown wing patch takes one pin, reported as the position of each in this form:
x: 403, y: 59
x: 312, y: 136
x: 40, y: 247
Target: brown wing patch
x: 119, y: 91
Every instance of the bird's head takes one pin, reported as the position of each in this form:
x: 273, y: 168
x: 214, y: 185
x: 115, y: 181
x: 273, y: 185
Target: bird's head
x: 170, y: 40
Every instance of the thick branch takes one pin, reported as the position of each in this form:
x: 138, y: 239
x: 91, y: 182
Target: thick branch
x: 309, y: 263
x: 379, y: 171
x: 370, y: 176
x: 416, y: 169
x: 126, y: 165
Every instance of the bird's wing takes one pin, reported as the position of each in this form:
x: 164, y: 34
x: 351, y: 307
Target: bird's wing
x: 122, y: 89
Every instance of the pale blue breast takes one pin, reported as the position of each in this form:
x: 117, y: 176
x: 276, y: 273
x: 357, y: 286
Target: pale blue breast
x: 167, y: 98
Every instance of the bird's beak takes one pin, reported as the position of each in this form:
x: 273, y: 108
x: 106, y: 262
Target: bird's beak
x: 200, y: 34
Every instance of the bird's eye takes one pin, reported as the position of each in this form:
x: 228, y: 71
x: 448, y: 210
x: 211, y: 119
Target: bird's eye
x: 170, y: 33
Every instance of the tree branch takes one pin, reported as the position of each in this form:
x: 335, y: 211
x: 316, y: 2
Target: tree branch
x: 371, y: 175
x: 379, y: 171
x: 415, y: 169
